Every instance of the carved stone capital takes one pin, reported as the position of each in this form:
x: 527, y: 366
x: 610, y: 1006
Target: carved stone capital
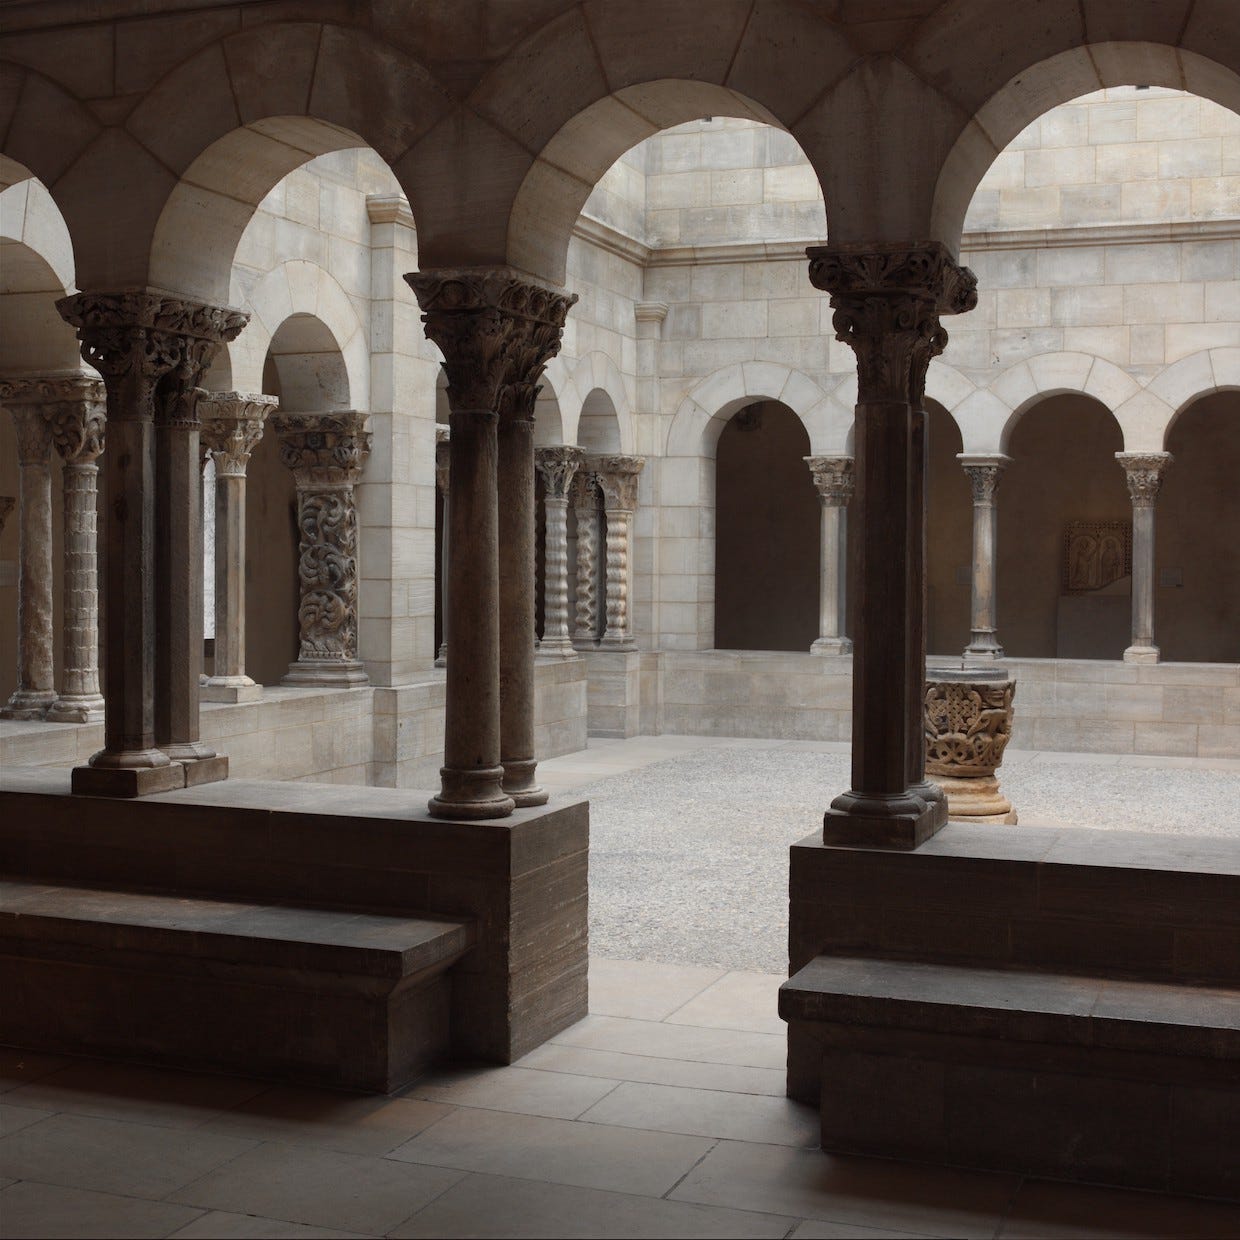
x: 887, y: 304
x: 968, y: 725
x: 833, y: 478
x: 323, y: 449
x: 73, y: 404
x: 496, y: 329
x: 232, y: 425
x: 558, y: 465
x: 983, y: 473
x: 583, y: 490
x: 443, y: 455
x: 617, y: 480
x: 6, y: 507
x: 1144, y: 472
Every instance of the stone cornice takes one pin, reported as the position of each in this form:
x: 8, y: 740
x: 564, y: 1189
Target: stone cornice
x: 389, y: 209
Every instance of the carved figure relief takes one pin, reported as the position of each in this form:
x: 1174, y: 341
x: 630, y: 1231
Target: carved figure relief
x: 1096, y: 554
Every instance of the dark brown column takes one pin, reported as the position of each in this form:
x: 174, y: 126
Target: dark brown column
x: 887, y: 302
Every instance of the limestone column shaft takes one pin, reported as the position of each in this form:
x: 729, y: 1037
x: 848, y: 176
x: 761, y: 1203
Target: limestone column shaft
x: 496, y: 330
x: 558, y: 466
x: 326, y: 452
x: 887, y: 302
x: 833, y: 480
x: 984, y: 473
x: 77, y: 425
x: 1144, y: 473
x: 442, y: 483
x: 232, y: 425
x: 617, y: 480
x: 587, y: 505
x: 36, y: 676
x: 151, y: 350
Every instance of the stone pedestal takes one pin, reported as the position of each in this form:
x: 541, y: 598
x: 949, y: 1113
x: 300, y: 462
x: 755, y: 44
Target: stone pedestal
x: 968, y: 714
x: 984, y: 473
x: 887, y: 304
x: 587, y: 510
x: 443, y: 481
x: 833, y: 480
x: 1144, y: 473
x: 558, y: 466
x: 326, y: 452
x: 617, y: 482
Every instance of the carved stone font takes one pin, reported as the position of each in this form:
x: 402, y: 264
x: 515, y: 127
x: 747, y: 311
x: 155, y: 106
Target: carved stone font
x: 617, y: 482
x: 558, y: 467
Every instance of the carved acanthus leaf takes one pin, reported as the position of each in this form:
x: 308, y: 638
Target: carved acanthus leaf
x: 232, y: 425
x: 833, y: 478
x: 617, y: 480
x: 558, y: 465
x: 1144, y: 473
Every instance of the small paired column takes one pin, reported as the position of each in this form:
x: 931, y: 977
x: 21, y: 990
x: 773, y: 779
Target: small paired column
x: 587, y: 509
x: 496, y: 330
x: 558, y: 466
x: 1144, y: 472
x: 833, y: 479
x: 326, y: 452
x: 36, y: 675
x: 152, y: 351
x: 442, y: 482
x: 887, y: 302
x: 984, y: 473
x: 617, y: 480
x: 232, y: 425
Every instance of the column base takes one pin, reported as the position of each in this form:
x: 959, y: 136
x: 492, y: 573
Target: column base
x: 583, y: 645
x: 617, y: 643
x: 983, y: 652
x: 205, y: 770
x: 28, y: 704
x: 832, y: 645
x: 188, y: 751
x: 519, y: 784
x: 307, y: 672
x: 87, y: 708
x: 441, y: 659
x: 474, y: 794
x: 976, y: 799
x: 556, y: 648
x: 900, y: 821
x: 230, y: 689
x: 127, y: 781
x: 1142, y: 654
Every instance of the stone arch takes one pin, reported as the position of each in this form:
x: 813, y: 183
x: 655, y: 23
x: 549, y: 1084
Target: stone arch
x: 598, y: 373
x: 307, y: 363
x: 1069, y: 73
x: 1183, y: 383
x: 558, y: 387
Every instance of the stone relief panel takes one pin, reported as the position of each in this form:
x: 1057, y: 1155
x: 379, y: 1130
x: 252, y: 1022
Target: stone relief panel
x: 1096, y: 554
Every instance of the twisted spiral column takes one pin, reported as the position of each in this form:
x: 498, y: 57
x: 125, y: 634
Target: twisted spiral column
x: 558, y: 466
x: 586, y: 503
x: 617, y: 480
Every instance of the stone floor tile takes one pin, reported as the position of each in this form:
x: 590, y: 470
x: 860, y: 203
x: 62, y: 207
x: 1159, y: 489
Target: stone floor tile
x: 496, y: 1206
x: 666, y: 1041
x: 144, y: 1095
x: 820, y: 1229
x: 36, y: 1210
x: 220, y: 1225
x: 856, y: 1192
x: 708, y: 1113
x: 321, y: 1187
x: 645, y: 989
x: 616, y: 1066
x: 137, y: 1160
x: 13, y: 1118
x: 350, y: 1123
x: 559, y: 1151
x: 528, y: 1091
x: 745, y: 1001
x: 19, y: 1067
x: 1045, y: 1210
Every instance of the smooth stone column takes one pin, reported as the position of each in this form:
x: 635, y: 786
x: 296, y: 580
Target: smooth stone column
x: 78, y: 425
x: 151, y: 350
x: 1144, y: 473
x: 443, y: 481
x: 617, y: 480
x: 587, y: 505
x: 984, y: 473
x: 36, y: 676
x: 232, y: 425
x: 326, y: 452
x: 833, y: 480
x: 558, y: 466
x: 887, y: 302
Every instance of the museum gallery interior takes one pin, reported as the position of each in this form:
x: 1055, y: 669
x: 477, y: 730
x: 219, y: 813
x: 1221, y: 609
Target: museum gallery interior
x: 397, y: 394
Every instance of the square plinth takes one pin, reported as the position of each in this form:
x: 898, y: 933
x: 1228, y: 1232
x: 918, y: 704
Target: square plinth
x: 138, y: 781
x: 205, y: 770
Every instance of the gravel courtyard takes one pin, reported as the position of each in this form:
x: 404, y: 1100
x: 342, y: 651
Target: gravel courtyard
x: 689, y: 853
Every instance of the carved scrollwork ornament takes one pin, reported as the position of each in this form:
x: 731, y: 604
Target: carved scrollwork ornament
x: 232, y: 425
x: 323, y: 449
x: 72, y: 405
x: 1144, y: 473
x: 616, y: 477
x: 968, y: 726
x: 834, y: 478
x: 558, y: 465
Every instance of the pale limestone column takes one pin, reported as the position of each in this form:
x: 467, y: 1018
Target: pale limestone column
x: 443, y: 480
x: 887, y: 302
x: 151, y: 350
x: 1144, y: 472
x: 984, y: 473
x: 77, y: 424
x: 558, y: 466
x: 36, y: 678
x: 232, y: 425
x: 326, y: 452
x: 617, y: 480
x: 833, y: 479
x: 587, y: 507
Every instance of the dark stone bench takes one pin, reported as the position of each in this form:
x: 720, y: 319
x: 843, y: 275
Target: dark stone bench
x: 1109, y: 1080
x: 325, y: 995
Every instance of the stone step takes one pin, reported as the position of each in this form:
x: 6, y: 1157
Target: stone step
x: 331, y: 996
x: 1092, y: 1078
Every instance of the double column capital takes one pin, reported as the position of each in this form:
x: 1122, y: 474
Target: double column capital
x: 232, y: 425
x: 323, y: 450
x: 983, y: 471
x: 73, y: 407
x: 616, y: 477
x: 833, y: 478
x: 1144, y: 472
x: 558, y: 465
x: 887, y: 302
